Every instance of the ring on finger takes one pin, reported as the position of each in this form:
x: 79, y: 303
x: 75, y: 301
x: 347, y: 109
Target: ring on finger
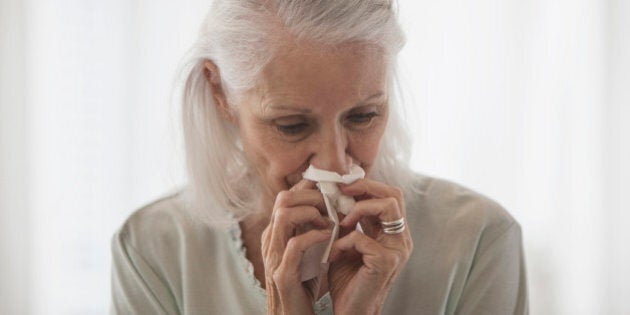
x: 393, y: 227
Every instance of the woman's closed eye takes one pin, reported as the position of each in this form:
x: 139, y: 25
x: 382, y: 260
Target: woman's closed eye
x: 292, y: 129
x: 362, y: 118
x: 291, y: 125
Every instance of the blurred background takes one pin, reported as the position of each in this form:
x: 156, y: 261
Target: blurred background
x: 526, y: 101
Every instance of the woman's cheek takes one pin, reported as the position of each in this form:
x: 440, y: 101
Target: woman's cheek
x: 290, y: 164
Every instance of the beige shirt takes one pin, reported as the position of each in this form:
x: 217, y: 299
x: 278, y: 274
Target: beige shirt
x: 467, y: 259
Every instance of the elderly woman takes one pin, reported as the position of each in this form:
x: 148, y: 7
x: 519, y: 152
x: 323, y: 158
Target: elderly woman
x: 283, y: 98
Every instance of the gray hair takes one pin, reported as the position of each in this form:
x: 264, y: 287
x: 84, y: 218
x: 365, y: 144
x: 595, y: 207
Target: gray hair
x: 241, y: 37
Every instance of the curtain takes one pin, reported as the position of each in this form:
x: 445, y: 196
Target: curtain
x: 526, y: 102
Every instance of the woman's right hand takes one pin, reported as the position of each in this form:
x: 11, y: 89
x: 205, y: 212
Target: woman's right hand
x: 283, y: 248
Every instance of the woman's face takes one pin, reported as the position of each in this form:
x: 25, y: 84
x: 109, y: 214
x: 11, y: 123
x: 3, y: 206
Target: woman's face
x: 328, y: 108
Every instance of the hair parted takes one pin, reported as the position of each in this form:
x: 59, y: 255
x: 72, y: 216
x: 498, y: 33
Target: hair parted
x: 241, y: 38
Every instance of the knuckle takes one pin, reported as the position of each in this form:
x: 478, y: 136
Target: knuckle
x: 281, y: 214
x: 392, y: 202
x: 354, y: 234
x: 283, y: 197
x: 282, y: 280
x: 293, y: 244
x: 393, y: 259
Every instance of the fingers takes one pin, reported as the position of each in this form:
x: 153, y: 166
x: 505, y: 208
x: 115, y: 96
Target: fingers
x: 295, y: 208
x: 384, y: 209
x: 377, y: 203
x: 289, y: 269
x: 284, y: 279
x: 301, y: 207
x: 354, y: 242
x: 376, y: 257
x: 309, y: 197
x: 287, y: 220
x: 371, y: 188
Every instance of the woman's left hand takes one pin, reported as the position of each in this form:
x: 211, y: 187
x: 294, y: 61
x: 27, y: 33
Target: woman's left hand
x: 364, y: 266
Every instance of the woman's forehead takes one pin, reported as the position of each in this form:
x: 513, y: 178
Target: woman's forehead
x: 304, y: 75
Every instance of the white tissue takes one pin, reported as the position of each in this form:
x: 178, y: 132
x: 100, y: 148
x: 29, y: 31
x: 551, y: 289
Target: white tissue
x: 316, y: 257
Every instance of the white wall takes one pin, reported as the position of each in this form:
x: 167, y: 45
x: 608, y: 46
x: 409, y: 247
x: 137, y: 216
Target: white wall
x: 88, y: 134
x: 511, y: 98
x: 14, y: 227
x: 617, y: 151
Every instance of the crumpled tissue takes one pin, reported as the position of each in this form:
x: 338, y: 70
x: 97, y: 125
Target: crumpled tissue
x: 315, y: 259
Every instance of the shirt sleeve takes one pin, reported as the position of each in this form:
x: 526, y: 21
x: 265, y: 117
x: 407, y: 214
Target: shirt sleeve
x: 497, y: 282
x: 136, y: 287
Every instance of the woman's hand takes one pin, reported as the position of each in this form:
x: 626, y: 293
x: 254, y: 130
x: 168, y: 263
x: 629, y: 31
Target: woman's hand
x: 283, y: 248
x: 364, y: 266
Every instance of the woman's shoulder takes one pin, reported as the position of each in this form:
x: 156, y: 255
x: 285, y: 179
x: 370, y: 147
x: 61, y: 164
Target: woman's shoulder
x: 158, y: 250
x: 162, y: 226
x: 437, y: 203
x: 154, y: 219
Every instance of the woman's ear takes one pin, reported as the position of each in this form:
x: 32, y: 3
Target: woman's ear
x: 211, y: 72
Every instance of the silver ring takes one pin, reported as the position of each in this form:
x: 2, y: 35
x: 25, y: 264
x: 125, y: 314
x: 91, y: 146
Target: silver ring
x: 396, y: 230
x: 393, y: 223
x: 393, y: 227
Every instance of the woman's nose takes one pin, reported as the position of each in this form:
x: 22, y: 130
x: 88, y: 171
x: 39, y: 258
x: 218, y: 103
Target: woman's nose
x: 331, y: 152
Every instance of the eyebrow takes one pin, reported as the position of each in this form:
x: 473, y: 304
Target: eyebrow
x: 308, y: 110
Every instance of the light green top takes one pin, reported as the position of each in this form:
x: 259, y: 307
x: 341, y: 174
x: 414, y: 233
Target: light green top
x: 467, y: 259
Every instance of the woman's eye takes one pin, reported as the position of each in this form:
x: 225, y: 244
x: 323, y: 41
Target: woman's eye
x: 362, y: 118
x: 292, y: 129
